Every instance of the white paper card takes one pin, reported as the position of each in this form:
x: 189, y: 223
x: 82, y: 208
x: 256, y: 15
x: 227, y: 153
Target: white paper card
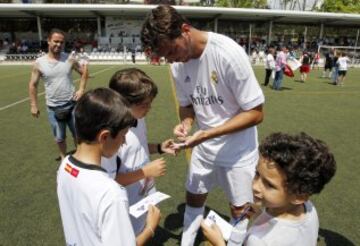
x: 225, y: 227
x: 141, y: 207
x: 293, y: 63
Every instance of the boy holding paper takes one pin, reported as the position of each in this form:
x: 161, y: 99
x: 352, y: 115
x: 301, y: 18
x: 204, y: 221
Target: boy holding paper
x: 94, y: 209
x: 290, y: 170
x: 131, y: 166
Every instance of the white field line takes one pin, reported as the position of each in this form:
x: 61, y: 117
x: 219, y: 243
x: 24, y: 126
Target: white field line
x: 42, y: 93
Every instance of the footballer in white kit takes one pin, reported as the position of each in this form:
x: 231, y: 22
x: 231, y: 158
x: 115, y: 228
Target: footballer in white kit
x: 219, y: 87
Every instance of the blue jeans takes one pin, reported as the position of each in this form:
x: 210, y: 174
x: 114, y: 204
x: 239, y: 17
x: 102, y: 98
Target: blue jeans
x: 279, y: 75
x: 59, y: 127
x: 335, y: 74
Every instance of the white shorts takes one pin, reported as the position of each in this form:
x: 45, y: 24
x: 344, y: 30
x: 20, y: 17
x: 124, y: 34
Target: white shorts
x: 236, y: 182
x: 83, y: 62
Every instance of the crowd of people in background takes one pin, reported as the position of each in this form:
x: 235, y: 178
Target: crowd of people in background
x: 256, y: 48
x: 335, y: 65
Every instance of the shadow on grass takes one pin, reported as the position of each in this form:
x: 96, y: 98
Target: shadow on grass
x: 331, y: 238
x: 174, y: 222
x: 283, y: 88
x: 328, y: 82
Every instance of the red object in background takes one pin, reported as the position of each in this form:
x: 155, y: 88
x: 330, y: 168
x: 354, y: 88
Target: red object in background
x: 288, y: 72
x: 155, y: 60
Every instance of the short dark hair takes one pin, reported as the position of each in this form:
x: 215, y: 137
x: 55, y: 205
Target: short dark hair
x: 163, y: 22
x: 133, y: 84
x: 55, y: 30
x: 306, y: 162
x: 99, y: 109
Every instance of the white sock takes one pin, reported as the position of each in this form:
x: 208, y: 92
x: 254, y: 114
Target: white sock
x: 192, y: 220
x: 238, y: 233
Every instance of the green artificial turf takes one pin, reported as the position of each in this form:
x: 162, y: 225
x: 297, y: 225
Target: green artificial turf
x: 29, y: 212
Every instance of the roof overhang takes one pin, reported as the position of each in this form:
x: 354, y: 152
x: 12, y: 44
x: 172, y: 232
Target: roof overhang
x: 118, y: 10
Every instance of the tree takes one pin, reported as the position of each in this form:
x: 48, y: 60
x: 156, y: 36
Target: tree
x: 260, y: 4
x: 343, y: 6
x: 302, y: 5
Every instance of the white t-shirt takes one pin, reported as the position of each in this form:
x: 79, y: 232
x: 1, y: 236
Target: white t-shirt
x: 270, y: 62
x: 83, y: 58
x: 219, y: 85
x: 57, y: 76
x: 343, y: 63
x: 93, y: 207
x: 269, y: 231
x: 134, y: 154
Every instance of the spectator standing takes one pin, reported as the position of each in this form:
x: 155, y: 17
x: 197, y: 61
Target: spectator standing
x: 329, y: 62
x: 280, y: 63
x: 335, y: 73
x: 343, y: 64
x: 83, y: 58
x: 55, y: 69
x: 305, y: 66
x: 269, y: 65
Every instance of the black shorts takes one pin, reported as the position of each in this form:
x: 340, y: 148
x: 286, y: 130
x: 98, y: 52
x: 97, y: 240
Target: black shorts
x: 342, y: 72
x: 328, y: 66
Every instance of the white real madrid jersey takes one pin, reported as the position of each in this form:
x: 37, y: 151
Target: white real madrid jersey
x: 219, y: 85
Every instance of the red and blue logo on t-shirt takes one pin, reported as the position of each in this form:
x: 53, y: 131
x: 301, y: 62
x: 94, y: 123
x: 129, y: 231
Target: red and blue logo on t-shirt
x: 72, y: 170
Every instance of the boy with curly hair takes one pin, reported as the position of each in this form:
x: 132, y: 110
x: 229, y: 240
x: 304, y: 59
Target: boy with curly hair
x: 291, y: 169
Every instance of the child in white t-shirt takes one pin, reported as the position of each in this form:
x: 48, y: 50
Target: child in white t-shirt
x: 132, y: 167
x: 290, y: 170
x: 93, y: 207
x: 342, y: 64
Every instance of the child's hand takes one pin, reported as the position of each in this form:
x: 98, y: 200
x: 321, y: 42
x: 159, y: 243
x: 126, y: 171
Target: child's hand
x: 155, y: 168
x: 167, y: 147
x: 249, y: 210
x: 213, y: 234
x: 181, y: 131
x: 153, y: 217
x: 177, y: 147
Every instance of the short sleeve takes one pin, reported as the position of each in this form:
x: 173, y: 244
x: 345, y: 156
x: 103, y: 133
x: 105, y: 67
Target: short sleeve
x: 242, y: 81
x: 177, y: 76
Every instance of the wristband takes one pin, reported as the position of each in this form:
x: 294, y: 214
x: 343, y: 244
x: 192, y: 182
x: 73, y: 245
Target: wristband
x: 159, y: 150
x: 152, y: 231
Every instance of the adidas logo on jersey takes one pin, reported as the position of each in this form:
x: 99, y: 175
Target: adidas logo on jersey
x: 187, y: 79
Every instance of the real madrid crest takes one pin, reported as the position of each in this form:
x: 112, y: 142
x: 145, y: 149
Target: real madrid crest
x: 214, y: 77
